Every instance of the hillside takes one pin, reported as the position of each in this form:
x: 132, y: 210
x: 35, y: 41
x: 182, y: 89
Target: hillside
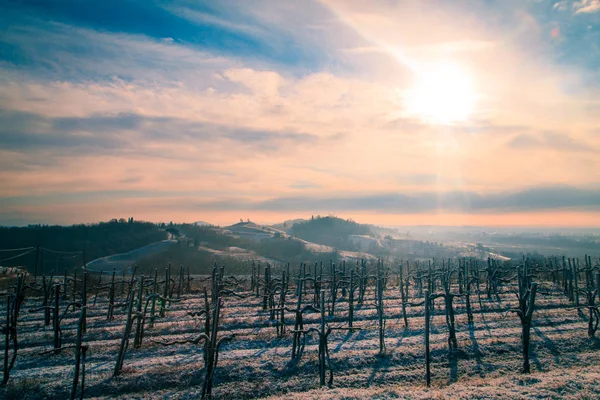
x: 123, y: 243
x: 201, y: 246
x: 97, y: 240
x: 329, y: 231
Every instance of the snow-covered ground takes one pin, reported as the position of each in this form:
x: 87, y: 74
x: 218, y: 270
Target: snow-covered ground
x: 126, y: 260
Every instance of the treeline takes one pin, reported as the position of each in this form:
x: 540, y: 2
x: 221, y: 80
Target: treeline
x: 97, y: 240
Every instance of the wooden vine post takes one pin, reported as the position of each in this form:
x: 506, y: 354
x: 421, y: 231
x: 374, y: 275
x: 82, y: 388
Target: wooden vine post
x: 323, y: 345
x: 427, y: 356
x: 351, y: 289
x: 323, y: 333
x: 56, y: 319
x: 212, y: 346
x: 137, y: 342
x: 80, y: 353
x: 7, y: 336
x: 379, y: 304
x: 154, y: 291
x: 111, y: 297
x: 467, y: 292
x: 212, y: 351
x: 526, y: 296
x: 84, y: 303
x: 403, y: 293
x: 593, y: 309
x: 125, y: 339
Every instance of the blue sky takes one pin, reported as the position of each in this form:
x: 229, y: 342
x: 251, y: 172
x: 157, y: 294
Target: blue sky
x: 387, y: 111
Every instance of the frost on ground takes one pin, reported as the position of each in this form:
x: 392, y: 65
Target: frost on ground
x: 257, y: 364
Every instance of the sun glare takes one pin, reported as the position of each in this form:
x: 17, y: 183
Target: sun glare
x: 442, y: 93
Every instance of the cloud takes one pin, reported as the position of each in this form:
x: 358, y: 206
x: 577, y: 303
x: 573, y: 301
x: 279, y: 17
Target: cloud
x: 256, y: 100
x: 209, y: 17
x: 304, y: 185
x: 25, y: 131
x: 525, y: 141
x: 561, y: 5
x: 532, y: 199
x: 454, y: 47
x: 363, y: 50
x: 445, y: 48
x: 101, y: 133
x: 422, y: 179
x: 260, y: 83
x: 586, y: 6
x: 558, y: 141
x: 131, y: 179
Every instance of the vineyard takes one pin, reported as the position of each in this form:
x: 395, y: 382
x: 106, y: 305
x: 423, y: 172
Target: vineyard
x: 461, y: 328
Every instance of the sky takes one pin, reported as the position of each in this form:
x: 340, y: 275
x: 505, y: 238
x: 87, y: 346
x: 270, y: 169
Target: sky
x: 387, y: 112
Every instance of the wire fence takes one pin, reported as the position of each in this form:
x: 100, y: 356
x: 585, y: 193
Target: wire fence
x: 38, y: 264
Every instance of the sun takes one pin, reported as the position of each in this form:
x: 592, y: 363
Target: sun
x: 442, y: 93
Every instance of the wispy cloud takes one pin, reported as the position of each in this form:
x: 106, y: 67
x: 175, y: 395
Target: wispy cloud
x: 205, y: 17
x: 304, y: 185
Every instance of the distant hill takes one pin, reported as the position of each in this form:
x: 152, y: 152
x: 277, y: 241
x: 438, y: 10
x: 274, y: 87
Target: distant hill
x: 202, y: 223
x: 329, y: 231
x: 249, y: 230
x: 248, y: 224
x: 285, y: 225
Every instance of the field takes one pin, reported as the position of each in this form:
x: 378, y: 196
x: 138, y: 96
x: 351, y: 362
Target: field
x: 565, y: 363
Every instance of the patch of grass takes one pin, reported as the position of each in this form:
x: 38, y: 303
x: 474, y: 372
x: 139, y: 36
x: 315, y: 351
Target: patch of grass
x: 29, y: 389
